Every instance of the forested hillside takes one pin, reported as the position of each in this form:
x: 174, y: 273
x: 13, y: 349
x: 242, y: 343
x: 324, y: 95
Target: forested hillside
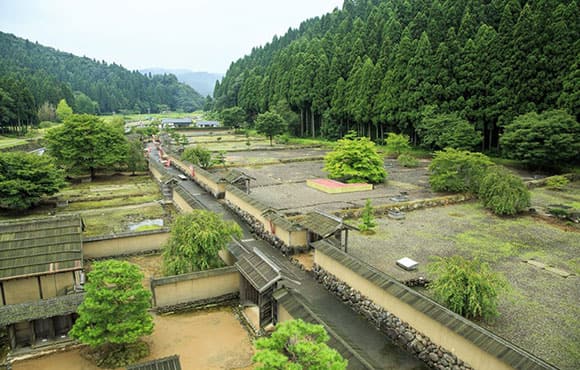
x: 385, y: 65
x: 50, y: 75
x: 202, y: 82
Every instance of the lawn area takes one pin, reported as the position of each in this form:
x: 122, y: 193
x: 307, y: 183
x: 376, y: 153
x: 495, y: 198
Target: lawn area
x: 540, y: 313
x: 212, y: 339
x: 117, y: 220
x: 9, y: 142
x: 544, y: 196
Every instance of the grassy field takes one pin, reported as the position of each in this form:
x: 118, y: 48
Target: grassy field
x: 540, y: 312
x: 9, y: 142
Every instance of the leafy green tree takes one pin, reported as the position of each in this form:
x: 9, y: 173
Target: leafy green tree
x: 63, y: 110
x: 87, y: 143
x: 195, y: 241
x: 297, y: 345
x: 233, y: 117
x: 397, y: 144
x: 85, y: 105
x: 440, y: 131
x: 355, y: 159
x: 458, y: 171
x: 135, y: 159
x: 367, y: 223
x: 549, y: 139
x: 270, y: 124
x: 113, y: 316
x: 198, y: 155
x: 503, y: 192
x: 466, y: 286
x: 26, y: 178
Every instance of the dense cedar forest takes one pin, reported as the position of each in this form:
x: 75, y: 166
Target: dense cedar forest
x: 32, y: 74
x: 381, y: 65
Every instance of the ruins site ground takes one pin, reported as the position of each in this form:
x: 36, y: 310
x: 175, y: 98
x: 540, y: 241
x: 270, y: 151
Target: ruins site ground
x: 212, y: 339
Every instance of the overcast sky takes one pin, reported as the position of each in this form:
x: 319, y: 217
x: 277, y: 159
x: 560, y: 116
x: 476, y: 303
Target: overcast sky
x: 200, y: 35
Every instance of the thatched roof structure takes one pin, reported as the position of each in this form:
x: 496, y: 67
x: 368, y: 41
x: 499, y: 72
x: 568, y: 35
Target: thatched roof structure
x: 40, y: 246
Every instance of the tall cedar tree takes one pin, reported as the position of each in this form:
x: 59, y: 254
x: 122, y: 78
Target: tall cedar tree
x: 85, y: 143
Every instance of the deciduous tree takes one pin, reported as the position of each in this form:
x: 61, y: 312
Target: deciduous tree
x: 26, y: 178
x: 270, y: 124
x: 458, y: 171
x: 87, y: 143
x: 355, y: 159
x: 195, y: 241
x: 63, y: 110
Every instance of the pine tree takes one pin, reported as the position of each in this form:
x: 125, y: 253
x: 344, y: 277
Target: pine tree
x: 367, y: 223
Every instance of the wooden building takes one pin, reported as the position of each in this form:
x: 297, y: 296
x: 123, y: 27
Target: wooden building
x: 41, y: 266
x: 322, y: 226
x: 166, y: 363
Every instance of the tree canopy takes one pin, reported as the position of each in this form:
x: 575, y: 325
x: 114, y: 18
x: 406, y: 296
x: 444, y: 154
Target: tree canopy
x: 297, y: 345
x: 550, y: 139
x: 458, y: 171
x: 26, y: 178
x: 195, y: 241
x: 270, y: 124
x: 85, y: 143
x: 503, y: 192
x: 374, y: 65
x: 440, y: 131
x: 114, y: 312
x: 355, y: 159
x: 51, y: 75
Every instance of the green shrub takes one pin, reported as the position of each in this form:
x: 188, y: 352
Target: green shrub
x: 367, y: 219
x: 47, y: 124
x: 557, y: 182
x: 282, y: 139
x: 503, y: 192
x: 407, y: 160
x: 458, y: 171
x: 468, y: 287
x: 397, y: 144
x: 198, y: 156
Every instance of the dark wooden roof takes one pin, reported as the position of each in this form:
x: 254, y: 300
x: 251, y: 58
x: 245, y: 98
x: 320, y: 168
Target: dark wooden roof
x: 235, y: 175
x: 258, y: 270
x: 484, y: 339
x: 298, y: 309
x: 41, y: 309
x: 248, y: 199
x: 281, y: 221
x: 188, y: 197
x: 323, y: 224
x: 40, y: 246
x: 166, y: 363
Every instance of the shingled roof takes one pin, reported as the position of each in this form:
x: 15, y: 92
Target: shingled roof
x: 39, y: 246
x: 282, y: 222
x: 166, y: 363
x: 507, y: 352
x: 323, y: 224
x: 41, y: 309
x: 234, y: 175
x: 247, y: 198
x: 258, y: 270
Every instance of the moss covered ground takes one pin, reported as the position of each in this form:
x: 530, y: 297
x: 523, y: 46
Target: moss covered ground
x: 539, y: 313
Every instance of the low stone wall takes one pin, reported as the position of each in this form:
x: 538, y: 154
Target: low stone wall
x: 196, y: 289
x: 383, y: 210
x: 543, y: 182
x: 399, y: 331
x: 125, y: 244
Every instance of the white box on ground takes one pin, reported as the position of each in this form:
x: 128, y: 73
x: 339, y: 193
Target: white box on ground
x: 407, y: 264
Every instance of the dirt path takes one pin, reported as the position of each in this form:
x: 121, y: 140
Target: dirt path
x: 203, y: 340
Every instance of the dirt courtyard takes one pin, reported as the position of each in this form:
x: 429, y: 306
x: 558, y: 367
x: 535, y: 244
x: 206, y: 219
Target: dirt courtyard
x: 283, y: 187
x: 202, y: 340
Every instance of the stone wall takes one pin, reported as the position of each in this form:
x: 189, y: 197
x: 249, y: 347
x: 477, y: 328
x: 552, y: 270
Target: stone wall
x: 383, y: 210
x: 399, y: 331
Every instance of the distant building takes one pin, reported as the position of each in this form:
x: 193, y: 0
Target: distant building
x: 207, y: 124
x: 176, y: 122
x: 41, y: 265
